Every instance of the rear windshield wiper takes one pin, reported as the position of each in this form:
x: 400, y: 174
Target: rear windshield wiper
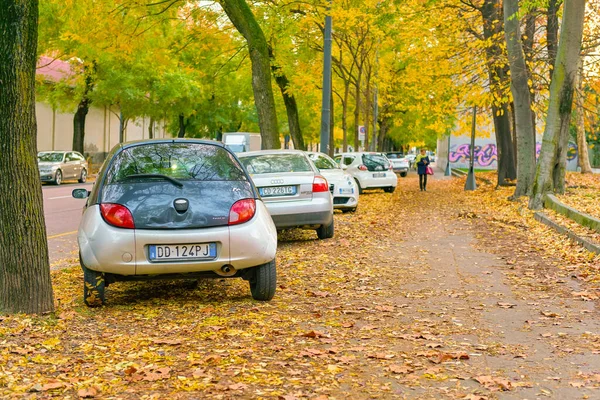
x: 155, y: 176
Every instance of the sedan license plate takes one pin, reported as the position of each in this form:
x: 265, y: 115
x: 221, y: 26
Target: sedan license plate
x: 379, y: 175
x: 277, y: 191
x: 346, y: 191
x: 174, y: 252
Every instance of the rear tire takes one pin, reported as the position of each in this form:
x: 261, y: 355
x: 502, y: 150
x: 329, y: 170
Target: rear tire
x: 58, y: 177
x: 360, y: 189
x: 83, y: 176
x: 403, y: 174
x: 326, y: 231
x: 263, y: 281
x: 347, y: 210
x: 389, y: 189
x: 93, y: 287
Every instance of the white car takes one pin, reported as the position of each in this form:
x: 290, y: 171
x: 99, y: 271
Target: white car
x: 400, y: 163
x: 341, y: 184
x: 293, y: 189
x: 370, y: 170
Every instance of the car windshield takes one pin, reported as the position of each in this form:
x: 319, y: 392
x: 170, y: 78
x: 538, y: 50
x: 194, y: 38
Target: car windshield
x: 50, y: 157
x: 323, y: 162
x: 276, y: 163
x: 180, y: 161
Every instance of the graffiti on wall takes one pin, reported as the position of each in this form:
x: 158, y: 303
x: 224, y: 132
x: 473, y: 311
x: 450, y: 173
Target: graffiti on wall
x: 487, y: 154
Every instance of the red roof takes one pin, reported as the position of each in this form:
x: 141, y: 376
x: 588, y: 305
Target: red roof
x: 53, y: 69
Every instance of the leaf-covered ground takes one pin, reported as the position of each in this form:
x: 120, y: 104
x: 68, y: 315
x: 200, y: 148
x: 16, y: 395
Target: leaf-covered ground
x: 442, y: 294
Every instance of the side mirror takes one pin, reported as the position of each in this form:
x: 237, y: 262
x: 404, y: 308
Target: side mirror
x: 80, y: 193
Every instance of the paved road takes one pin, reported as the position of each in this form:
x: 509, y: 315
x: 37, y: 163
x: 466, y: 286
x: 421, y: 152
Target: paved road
x: 62, y: 213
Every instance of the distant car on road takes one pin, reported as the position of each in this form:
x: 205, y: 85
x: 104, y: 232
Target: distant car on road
x: 177, y: 208
x: 400, y: 163
x: 370, y: 170
x: 240, y: 142
x: 293, y: 189
x: 58, y: 166
x: 341, y: 184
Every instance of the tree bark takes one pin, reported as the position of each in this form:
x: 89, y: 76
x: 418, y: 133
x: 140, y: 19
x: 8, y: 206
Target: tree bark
x: 367, y: 109
x: 345, y: 115
x: 552, y: 32
x: 522, y: 102
x: 357, y: 109
x: 491, y: 11
x: 122, y: 126
x: 528, y: 41
x: 25, y: 285
x: 583, y: 157
x: 82, y: 110
x: 291, y: 108
x: 244, y: 21
x: 181, y: 132
x: 550, y: 173
x: 151, y: 128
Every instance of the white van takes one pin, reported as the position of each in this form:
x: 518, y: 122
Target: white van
x: 241, y: 142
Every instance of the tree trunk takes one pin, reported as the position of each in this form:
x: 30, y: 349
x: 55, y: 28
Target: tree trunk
x: 552, y: 32
x: 151, y: 128
x: 357, y: 109
x: 331, y: 125
x: 25, y: 285
x: 583, y: 158
x: 181, y: 132
x: 491, y: 11
x: 550, y: 173
x: 367, y: 109
x: 522, y: 102
x: 244, y: 21
x: 291, y: 108
x: 122, y: 126
x: 345, y: 115
x: 82, y: 109
x: 528, y: 41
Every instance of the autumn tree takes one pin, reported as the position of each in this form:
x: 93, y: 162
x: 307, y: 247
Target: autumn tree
x: 551, y: 168
x: 25, y: 285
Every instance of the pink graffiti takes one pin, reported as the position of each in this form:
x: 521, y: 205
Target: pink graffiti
x: 484, y: 156
x: 571, y: 153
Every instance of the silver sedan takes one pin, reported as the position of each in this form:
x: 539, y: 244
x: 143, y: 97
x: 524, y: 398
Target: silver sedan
x: 57, y: 166
x: 293, y: 190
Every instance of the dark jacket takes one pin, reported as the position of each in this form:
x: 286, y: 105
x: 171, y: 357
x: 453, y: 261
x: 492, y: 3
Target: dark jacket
x: 422, y: 166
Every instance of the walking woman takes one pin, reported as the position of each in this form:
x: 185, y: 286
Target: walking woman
x: 422, y: 161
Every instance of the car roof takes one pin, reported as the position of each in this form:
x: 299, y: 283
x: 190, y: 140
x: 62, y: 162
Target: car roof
x: 266, y: 152
x: 358, y: 153
x: 170, y: 140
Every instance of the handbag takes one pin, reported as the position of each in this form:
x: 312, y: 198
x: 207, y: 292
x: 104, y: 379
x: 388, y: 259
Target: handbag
x: 429, y: 170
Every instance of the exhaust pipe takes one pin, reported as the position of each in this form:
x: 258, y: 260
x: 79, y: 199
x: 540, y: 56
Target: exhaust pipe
x: 226, y: 270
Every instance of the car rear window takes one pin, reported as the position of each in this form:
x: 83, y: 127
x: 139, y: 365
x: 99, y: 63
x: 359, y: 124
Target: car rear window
x: 182, y: 161
x: 375, y: 162
x: 276, y: 163
x: 323, y: 162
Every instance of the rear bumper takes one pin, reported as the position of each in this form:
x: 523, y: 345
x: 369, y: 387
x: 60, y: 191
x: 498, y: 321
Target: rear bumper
x: 289, y: 214
x: 401, y: 169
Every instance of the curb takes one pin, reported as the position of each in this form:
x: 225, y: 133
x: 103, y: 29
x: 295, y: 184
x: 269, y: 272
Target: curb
x: 543, y: 218
x: 551, y: 202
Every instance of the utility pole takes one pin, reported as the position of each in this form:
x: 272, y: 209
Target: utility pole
x: 326, y: 99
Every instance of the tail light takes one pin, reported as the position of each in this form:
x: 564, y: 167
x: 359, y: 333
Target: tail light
x: 117, y: 215
x: 391, y: 167
x: 242, y: 211
x: 320, y: 184
x: 363, y: 167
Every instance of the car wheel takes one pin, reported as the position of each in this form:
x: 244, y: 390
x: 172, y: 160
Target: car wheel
x: 93, y: 287
x: 403, y: 174
x: 326, y: 231
x: 347, y: 210
x: 58, y: 177
x: 83, y: 176
x: 389, y: 189
x: 264, y: 281
x: 360, y: 190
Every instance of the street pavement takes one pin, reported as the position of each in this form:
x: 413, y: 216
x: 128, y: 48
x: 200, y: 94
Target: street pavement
x: 62, y: 213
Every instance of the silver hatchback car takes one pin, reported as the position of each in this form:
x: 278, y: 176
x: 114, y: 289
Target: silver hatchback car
x: 57, y: 166
x: 174, y: 209
x: 295, y: 193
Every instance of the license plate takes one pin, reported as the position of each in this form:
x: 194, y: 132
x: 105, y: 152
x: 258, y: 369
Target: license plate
x: 346, y: 191
x: 171, y: 252
x: 379, y: 175
x: 277, y: 191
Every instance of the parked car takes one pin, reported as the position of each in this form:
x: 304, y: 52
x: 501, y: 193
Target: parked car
x: 240, y: 142
x: 58, y: 166
x: 400, y: 164
x: 177, y: 208
x: 294, y: 191
x: 370, y: 170
x: 341, y: 184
